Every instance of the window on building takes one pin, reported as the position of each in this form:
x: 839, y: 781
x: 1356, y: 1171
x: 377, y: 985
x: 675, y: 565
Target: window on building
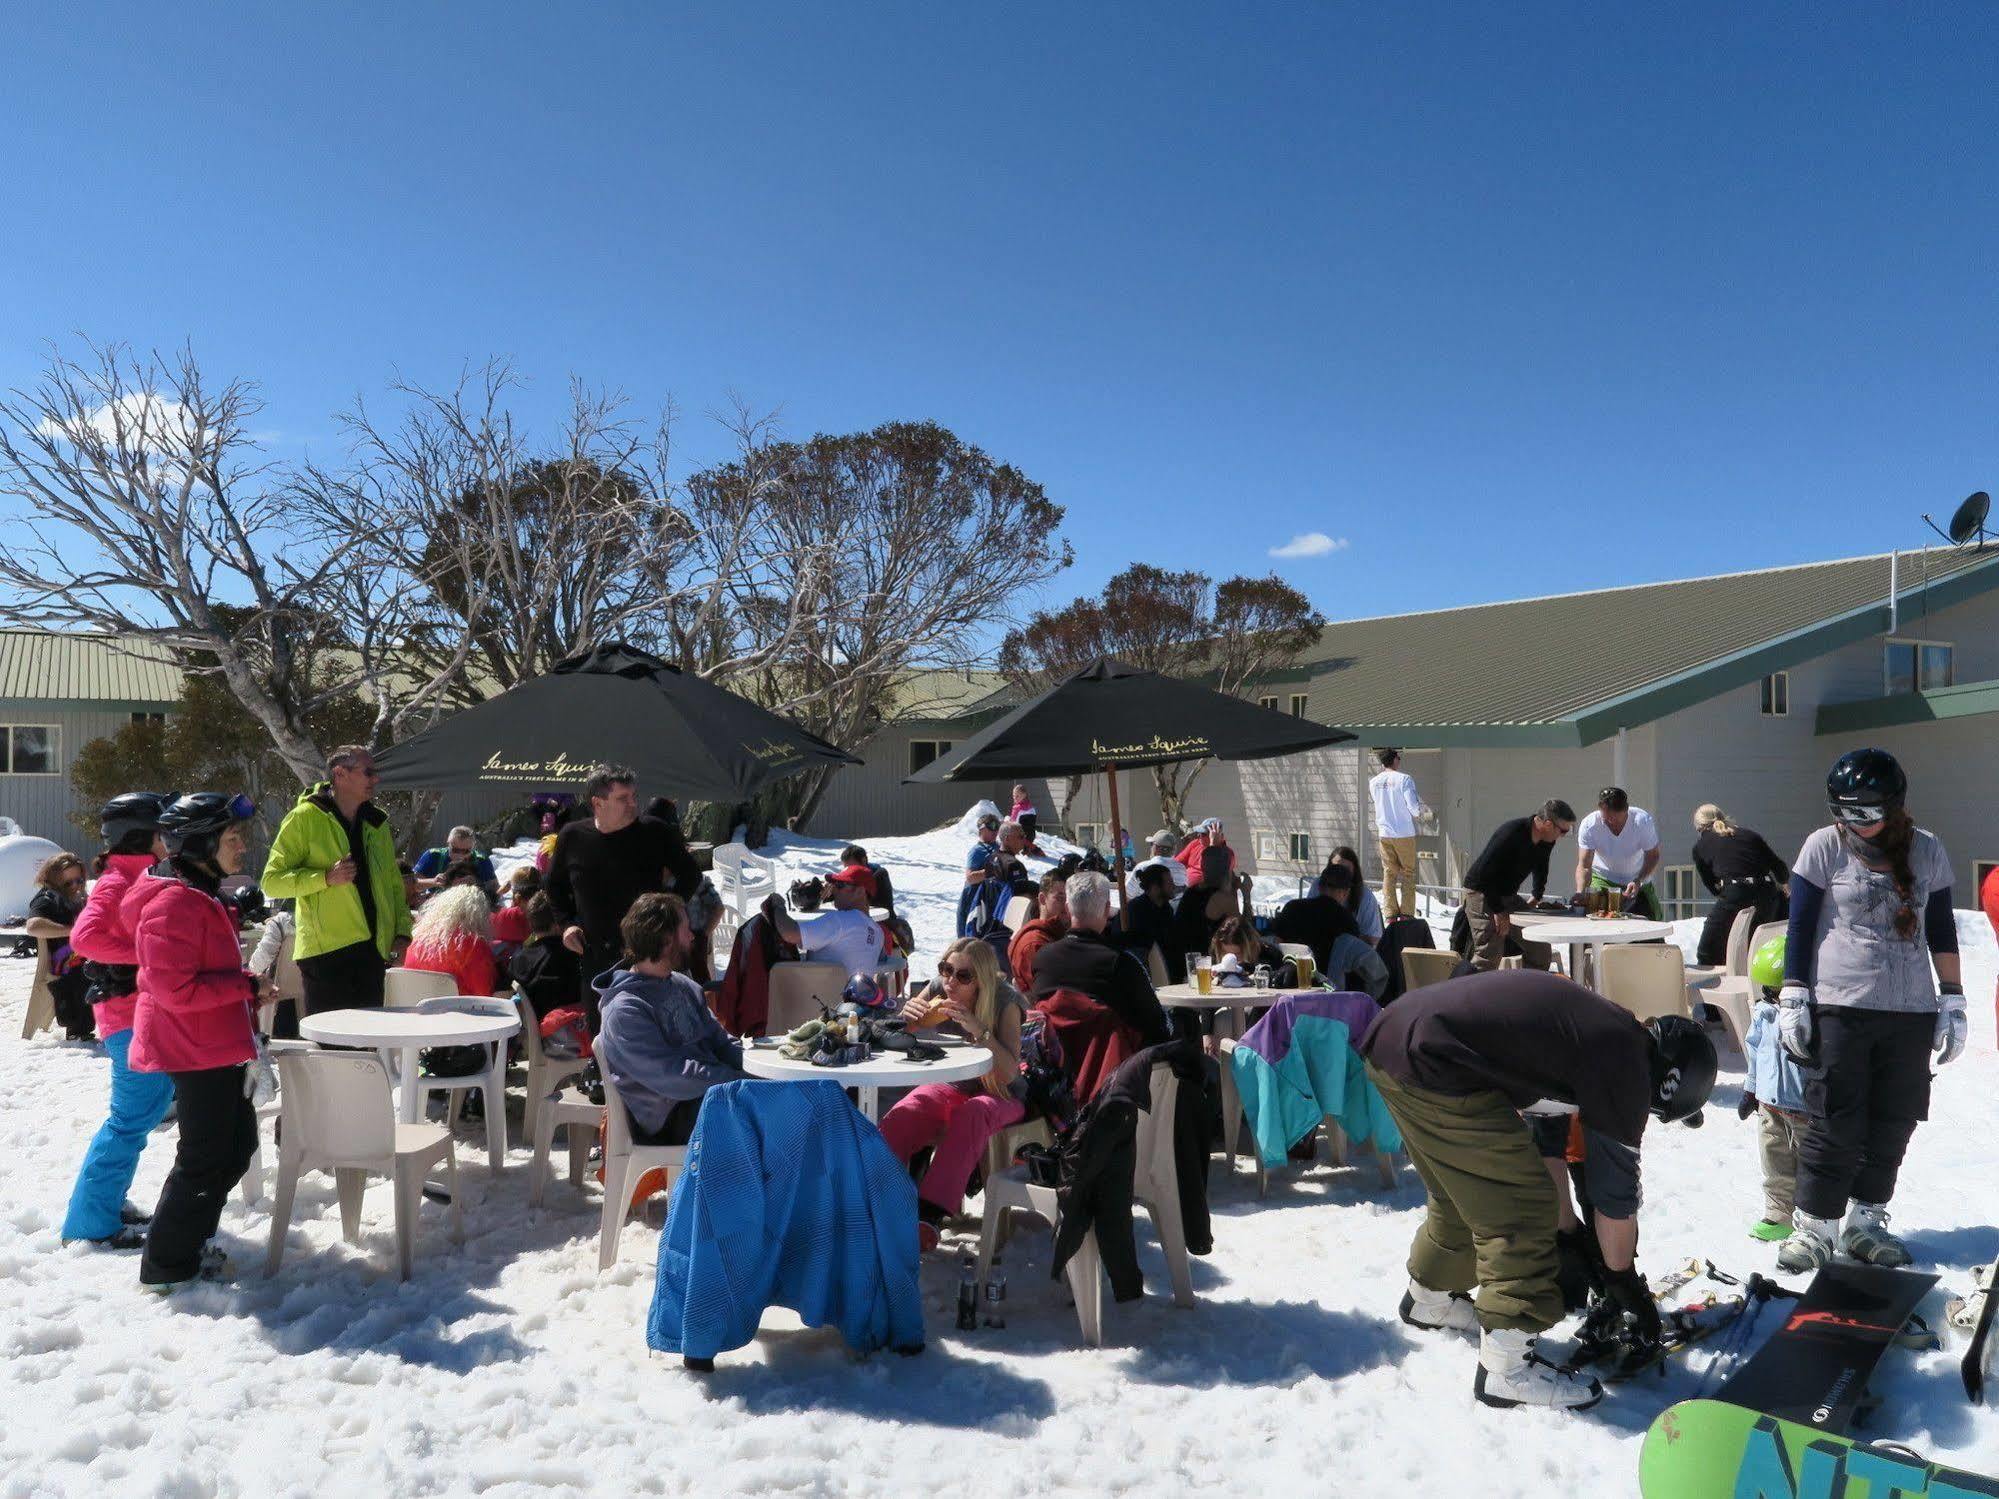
x: 1916, y: 666
x: 1301, y: 848
x: 1089, y: 834
x: 1269, y: 848
x: 1298, y: 701
x: 1680, y: 891
x: 923, y: 752
x: 29, y: 750
x: 1777, y: 695
x: 149, y: 718
x: 1268, y: 702
x: 1981, y: 869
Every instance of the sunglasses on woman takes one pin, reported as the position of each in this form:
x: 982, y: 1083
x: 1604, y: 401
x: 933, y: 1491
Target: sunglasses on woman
x: 962, y: 975
x: 1860, y: 815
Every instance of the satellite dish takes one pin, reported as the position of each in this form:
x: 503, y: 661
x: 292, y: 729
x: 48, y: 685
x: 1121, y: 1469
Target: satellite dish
x: 1967, y: 525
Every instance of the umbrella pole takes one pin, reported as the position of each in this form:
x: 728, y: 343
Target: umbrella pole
x: 1117, y: 853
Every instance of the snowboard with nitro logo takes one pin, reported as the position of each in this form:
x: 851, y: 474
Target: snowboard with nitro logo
x: 1705, y: 1449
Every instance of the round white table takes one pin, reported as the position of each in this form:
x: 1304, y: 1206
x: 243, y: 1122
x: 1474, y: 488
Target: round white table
x: 1581, y: 934
x: 886, y: 1069
x: 408, y: 1032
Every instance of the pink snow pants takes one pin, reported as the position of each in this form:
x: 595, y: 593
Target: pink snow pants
x: 957, y: 1126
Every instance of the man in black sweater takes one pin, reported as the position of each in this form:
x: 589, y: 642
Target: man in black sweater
x: 1518, y: 850
x: 602, y: 864
x: 1091, y: 962
x: 1319, y: 920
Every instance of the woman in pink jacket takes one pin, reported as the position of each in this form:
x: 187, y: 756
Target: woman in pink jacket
x: 98, y: 1212
x: 195, y: 1021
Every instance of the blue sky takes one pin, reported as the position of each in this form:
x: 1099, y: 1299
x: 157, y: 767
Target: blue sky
x: 1508, y: 300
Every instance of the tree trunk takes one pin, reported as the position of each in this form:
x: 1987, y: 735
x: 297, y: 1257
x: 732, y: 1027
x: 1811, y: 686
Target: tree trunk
x: 1176, y: 783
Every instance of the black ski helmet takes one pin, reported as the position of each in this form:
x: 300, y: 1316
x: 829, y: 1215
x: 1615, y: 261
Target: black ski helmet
x: 1866, y: 778
x: 131, y: 812
x: 195, y: 823
x: 1683, y: 1068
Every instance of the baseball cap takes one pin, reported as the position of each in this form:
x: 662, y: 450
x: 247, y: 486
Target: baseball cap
x: 854, y: 874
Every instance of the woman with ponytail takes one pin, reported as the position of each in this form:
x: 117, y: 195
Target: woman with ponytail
x: 1871, y: 989
x: 1740, y: 871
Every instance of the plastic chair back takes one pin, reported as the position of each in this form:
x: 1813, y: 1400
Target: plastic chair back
x: 1647, y: 980
x: 406, y: 988
x: 1761, y: 935
x: 1294, y: 949
x: 1422, y: 966
x: 1017, y: 912
x: 1154, y: 1178
x: 336, y: 1105
x: 1739, y: 950
x: 617, y: 1123
x: 798, y: 990
x: 530, y: 1029
x: 285, y: 973
x: 1155, y: 965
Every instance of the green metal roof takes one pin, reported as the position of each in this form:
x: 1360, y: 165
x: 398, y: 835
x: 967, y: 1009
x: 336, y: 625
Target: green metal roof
x: 1574, y: 669
x: 86, y: 668
x: 1966, y: 700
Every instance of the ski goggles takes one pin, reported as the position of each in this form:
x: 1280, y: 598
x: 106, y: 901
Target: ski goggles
x: 1861, y: 816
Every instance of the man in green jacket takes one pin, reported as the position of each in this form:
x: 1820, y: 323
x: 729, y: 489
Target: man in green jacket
x: 335, y: 855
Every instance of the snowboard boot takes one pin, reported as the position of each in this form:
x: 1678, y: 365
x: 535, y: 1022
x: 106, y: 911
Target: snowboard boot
x: 1438, y: 1311
x: 1809, y: 1247
x: 1511, y: 1373
x: 1866, y: 1238
x: 125, y: 1236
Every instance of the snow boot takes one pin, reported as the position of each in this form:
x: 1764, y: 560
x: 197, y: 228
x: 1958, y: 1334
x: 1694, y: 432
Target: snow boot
x: 134, y: 1215
x: 125, y: 1236
x: 1511, y: 1373
x: 1438, y: 1311
x: 1866, y: 1238
x: 1809, y: 1247
x: 214, y: 1266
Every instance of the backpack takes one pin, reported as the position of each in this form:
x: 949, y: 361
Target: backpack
x: 1047, y: 1091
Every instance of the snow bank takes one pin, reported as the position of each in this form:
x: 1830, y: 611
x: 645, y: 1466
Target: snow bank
x: 510, y: 1367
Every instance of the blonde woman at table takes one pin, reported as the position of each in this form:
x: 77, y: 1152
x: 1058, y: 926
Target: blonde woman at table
x: 957, y: 1119
x: 453, y: 935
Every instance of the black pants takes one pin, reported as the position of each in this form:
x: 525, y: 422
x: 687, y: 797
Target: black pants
x: 1862, y: 1103
x: 596, y: 959
x: 218, y: 1135
x: 348, y: 978
x: 1028, y: 824
x: 1763, y: 898
x: 678, y: 1128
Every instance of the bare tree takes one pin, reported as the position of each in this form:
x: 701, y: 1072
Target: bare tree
x: 146, y: 509
x: 1232, y: 635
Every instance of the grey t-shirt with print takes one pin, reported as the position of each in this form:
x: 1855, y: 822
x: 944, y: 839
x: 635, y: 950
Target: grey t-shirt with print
x: 1861, y: 962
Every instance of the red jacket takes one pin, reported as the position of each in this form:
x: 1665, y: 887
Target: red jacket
x: 197, y: 1003
x: 1191, y: 857
x: 468, y: 960
x: 1094, y: 1040
x: 1029, y: 940
x: 101, y: 935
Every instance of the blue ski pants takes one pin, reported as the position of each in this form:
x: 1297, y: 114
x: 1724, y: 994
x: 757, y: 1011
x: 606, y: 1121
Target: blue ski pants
x: 139, y: 1101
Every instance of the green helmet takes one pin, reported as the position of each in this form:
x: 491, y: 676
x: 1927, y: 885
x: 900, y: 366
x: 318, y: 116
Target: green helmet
x: 1766, y: 969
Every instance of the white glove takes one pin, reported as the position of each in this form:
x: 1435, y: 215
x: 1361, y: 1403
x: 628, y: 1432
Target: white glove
x: 1794, y: 1021
x: 260, y: 1078
x: 1949, y: 1038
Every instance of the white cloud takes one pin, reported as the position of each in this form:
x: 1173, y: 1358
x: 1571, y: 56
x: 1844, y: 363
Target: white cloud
x: 1310, y: 544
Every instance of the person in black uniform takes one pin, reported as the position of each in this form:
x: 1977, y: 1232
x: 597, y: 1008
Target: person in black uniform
x: 1741, y: 872
x: 1518, y: 850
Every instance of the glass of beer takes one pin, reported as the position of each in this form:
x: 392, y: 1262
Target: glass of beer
x: 1307, y: 967
x: 1204, y: 976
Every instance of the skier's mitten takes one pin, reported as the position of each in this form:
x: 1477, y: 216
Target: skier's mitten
x: 1948, y: 1040
x: 1632, y: 1294
x: 1794, y: 1021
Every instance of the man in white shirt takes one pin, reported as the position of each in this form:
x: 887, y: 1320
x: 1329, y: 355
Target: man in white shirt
x: 1397, y: 810
x: 1163, y: 846
x: 847, y: 934
x: 1617, y: 848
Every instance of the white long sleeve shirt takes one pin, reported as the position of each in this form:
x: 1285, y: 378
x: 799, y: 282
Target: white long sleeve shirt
x: 1396, y: 804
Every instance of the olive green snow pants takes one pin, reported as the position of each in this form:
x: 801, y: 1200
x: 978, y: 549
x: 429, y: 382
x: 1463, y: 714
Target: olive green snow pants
x: 1491, y: 1222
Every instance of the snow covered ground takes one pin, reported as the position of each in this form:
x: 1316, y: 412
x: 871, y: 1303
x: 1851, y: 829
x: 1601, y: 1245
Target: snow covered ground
x: 509, y: 1366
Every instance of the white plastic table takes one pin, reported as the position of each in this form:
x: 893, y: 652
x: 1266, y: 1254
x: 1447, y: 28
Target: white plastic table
x: 886, y: 1069
x: 1580, y: 933
x: 407, y: 1031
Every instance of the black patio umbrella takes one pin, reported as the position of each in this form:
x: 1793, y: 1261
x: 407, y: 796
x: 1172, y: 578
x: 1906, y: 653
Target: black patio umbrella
x: 1109, y: 717
x: 682, y: 736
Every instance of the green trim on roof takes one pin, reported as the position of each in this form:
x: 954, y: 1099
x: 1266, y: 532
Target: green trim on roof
x: 1966, y: 700
x: 1560, y: 734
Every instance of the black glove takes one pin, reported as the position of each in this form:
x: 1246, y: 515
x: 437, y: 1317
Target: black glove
x: 1629, y: 1291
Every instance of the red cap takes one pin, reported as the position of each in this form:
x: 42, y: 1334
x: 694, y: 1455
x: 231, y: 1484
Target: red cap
x: 854, y: 874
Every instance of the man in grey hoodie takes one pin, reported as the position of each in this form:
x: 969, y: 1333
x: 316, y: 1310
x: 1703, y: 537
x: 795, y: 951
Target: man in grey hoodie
x: 660, y: 1046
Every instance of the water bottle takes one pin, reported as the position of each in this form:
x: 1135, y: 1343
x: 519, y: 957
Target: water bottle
x: 968, y: 1297
x: 996, y: 1297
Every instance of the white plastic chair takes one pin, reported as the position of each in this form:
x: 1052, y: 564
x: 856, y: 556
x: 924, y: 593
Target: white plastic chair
x: 1648, y: 981
x: 741, y: 878
x: 491, y: 1081
x: 407, y: 988
x: 578, y: 1119
x: 41, y: 1000
x: 1294, y: 949
x: 338, y: 1117
x: 545, y: 1073
x: 1728, y: 988
x: 798, y: 990
x: 624, y: 1164
x: 1336, y: 1135
x: 1154, y: 1183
